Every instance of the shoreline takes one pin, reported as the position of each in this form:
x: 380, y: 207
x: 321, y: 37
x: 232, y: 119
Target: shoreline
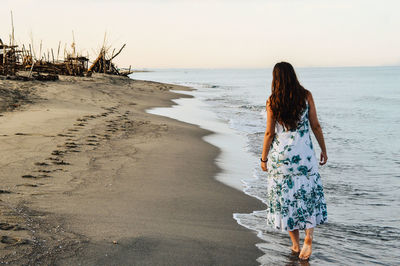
x: 231, y: 157
x: 193, y: 111
x: 115, y: 193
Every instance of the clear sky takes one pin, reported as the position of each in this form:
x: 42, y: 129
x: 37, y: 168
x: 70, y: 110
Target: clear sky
x: 218, y: 33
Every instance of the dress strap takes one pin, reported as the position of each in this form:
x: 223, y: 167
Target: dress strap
x: 306, y: 108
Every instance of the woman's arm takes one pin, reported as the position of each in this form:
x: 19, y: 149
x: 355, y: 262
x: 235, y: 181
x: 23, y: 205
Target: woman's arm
x: 269, y: 135
x: 316, y: 128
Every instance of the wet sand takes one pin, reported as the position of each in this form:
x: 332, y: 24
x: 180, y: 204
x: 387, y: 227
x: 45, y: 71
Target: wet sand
x: 88, y: 177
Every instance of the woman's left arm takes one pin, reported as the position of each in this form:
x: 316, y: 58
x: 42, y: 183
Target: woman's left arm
x: 268, y: 137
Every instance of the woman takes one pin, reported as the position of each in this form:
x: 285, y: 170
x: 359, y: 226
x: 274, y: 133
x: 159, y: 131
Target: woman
x: 295, y: 193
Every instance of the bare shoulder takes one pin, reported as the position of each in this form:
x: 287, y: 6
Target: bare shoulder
x: 268, y: 103
x: 308, y: 93
x: 268, y: 106
x: 309, y: 96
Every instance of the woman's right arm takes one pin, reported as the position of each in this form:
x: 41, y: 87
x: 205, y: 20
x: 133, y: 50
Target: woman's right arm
x: 316, y: 128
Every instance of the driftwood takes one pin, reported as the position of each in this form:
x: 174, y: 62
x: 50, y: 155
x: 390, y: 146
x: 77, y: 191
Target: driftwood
x: 9, y: 59
x: 48, y: 77
x: 13, y: 59
x: 104, y: 64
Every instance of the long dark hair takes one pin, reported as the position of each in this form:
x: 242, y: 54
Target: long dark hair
x: 288, y: 97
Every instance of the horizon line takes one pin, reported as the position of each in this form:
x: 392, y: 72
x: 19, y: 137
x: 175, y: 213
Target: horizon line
x: 267, y: 67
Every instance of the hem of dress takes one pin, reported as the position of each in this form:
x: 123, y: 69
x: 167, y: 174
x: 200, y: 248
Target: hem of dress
x: 297, y: 227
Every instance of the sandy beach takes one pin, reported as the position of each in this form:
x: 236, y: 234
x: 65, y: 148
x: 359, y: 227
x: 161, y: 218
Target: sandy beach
x: 88, y: 177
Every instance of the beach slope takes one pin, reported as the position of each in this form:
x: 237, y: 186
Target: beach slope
x: 88, y: 177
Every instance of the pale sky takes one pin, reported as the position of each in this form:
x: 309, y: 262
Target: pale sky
x: 214, y: 34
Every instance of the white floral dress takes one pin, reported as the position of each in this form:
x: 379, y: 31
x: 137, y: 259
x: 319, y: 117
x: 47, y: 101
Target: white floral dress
x: 295, y: 195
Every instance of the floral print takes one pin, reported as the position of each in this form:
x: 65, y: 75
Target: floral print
x: 295, y: 195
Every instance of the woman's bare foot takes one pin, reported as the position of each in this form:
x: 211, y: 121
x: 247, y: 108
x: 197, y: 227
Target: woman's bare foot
x: 295, y: 248
x: 295, y: 237
x: 307, y: 245
x: 307, y: 249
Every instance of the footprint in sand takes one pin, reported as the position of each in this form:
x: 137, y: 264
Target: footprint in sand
x: 61, y: 163
x: 13, y: 240
x: 57, y: 161
x: 29, y: 176
x: 36, y: 177
x: 21, y: 134
x: 87, y: 117
x: 80, y: 124
x: 41, y: 164
x: 8, y: 227
x: 92, y: 143
x: 110, y: 109
x: 43, y: 176
x: 71, y: 145
x: 65, y: 135
x: 27, y: 185
x: 44, y: 171
x: 58, y: 153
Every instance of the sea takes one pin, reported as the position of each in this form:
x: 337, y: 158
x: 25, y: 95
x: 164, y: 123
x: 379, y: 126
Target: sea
x: 359, y: 111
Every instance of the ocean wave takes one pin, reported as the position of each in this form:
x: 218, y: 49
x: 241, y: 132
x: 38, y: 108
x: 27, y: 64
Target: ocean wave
x: 256, y: 108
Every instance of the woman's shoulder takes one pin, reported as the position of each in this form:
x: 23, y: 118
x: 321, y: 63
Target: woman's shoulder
x: 268, y: 105
x: 268, y: 101
x: 309, y: 97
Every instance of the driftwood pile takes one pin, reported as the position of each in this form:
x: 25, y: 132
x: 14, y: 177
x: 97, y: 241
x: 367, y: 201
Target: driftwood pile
x: 13, y: 59
x: 9, y: 59
x: 71, y: 66
x: 104, y: 64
